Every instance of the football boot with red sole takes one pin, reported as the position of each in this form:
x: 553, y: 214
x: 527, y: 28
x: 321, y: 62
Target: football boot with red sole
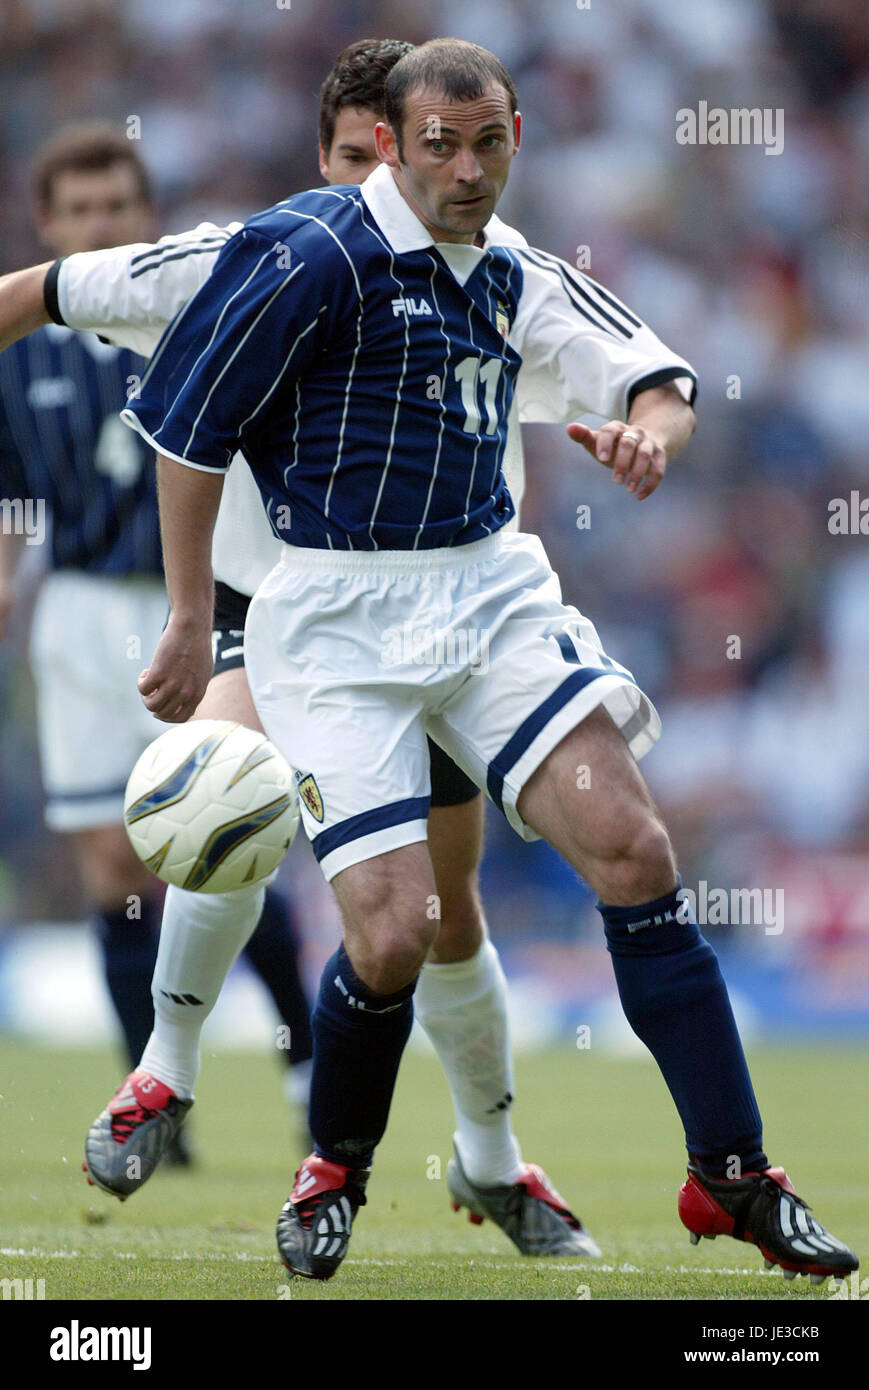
x: 127, y: 1140
x: 530, y: 1212
x: 316, y: 1220
x: 764, y: 1209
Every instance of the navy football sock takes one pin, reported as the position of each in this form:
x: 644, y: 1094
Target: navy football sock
x: 359, y: 1037
x: 675, y: 999
x: 273, y: 953
x: 129, y: 953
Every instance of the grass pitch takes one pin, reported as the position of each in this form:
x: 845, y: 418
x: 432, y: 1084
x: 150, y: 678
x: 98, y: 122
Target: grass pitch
x: 604, y: 1128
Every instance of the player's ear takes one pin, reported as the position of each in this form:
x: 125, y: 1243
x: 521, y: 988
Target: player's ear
x: 517, y: 130
x: 323, y: 160
x: 386, y: 144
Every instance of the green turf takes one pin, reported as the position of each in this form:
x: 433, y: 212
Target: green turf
x: 604, y: 1128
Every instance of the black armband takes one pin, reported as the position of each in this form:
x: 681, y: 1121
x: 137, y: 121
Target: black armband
x: 49, y: 291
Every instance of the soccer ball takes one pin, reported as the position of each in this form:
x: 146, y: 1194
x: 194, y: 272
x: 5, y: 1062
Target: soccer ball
x: 211, y: 806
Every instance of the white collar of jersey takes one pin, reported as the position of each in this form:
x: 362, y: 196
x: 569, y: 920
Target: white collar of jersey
x: 403, y: 229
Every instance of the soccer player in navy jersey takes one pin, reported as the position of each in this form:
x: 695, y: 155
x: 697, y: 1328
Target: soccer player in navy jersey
x: 461, y: 999
x: 361, y: 348
x: 104, y: 598
x: 59, y: 442
x: 676, y: 1004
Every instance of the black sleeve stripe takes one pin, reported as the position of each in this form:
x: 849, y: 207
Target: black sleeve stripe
x: 611, y: 300
x: 596, y: 323
x: 583, y: 282
x: 652, y: 379
x: 616, y: 328
x: 158, y: 251
x: 178, y: 256
x: 49, y: 291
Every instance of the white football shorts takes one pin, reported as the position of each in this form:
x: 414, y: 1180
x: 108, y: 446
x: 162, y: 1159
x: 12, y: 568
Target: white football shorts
x: 353, y: 657
x: 92, y: 635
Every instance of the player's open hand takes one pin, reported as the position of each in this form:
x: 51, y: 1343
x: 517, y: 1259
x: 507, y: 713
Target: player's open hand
x: 182, y: 665
x: 635, y: 456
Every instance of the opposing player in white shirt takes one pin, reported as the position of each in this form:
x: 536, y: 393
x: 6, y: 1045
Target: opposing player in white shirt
x: 311, y: 347
x: 129, y: 296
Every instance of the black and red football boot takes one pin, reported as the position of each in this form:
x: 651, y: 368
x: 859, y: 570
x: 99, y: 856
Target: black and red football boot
x: 316, y: 1219
x: 764, y: 1209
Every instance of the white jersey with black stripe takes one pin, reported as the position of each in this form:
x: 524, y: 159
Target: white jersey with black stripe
x: 129, y: 294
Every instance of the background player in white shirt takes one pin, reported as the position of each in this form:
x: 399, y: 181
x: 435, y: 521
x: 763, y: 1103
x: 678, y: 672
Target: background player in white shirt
x: 289, y: 338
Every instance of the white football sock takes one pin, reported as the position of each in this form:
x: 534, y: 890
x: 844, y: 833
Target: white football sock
x: 463, y: 1009
x: 201, y: 936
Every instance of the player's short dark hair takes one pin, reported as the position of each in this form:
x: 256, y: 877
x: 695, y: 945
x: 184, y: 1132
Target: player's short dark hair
x: 357, y: 78
x: 88, y: 147
x: 460, y: 70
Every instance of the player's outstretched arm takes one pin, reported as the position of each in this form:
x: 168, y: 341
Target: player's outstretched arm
x: 584, y: 352
x: 182, y: 665
x: 129, y: 294
x: 660, y: 423
x: 22, y: 303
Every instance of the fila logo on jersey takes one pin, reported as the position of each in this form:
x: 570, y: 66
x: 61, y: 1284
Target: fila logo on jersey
x: 412, y: 308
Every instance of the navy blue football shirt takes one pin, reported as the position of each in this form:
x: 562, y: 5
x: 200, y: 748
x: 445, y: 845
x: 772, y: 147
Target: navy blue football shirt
x: 366, y: 376
x: 62, y: 441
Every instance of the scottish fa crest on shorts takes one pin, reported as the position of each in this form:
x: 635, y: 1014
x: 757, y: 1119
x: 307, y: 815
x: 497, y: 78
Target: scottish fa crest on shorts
x: 310, y: 794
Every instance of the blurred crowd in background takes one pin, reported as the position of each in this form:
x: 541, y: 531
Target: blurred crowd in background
x: 754, y: 266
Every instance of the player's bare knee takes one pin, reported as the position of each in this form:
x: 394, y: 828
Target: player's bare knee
x: 407, y: 950
x: 640, y: 865
x: 461, y: 930
x: 653, y: 849
x: 391, y: 953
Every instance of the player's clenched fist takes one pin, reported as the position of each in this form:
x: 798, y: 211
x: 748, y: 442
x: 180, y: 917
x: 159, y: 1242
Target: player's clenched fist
x: 182, y: 665
x: 634, y: 455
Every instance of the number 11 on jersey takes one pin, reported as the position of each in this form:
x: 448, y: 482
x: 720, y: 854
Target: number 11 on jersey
x: 468, y: 372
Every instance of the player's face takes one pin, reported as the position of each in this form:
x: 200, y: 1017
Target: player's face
x: 456, y: 158
x: 92, y: 210
x: 352, y: 154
